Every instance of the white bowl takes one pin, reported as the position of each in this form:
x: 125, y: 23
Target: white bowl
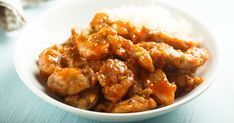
x: 54, y: 27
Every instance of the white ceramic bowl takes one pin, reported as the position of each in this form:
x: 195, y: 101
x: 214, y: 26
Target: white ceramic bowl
x: 54, y: 27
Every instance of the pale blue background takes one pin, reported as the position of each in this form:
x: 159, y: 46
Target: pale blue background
x: 19, y: 104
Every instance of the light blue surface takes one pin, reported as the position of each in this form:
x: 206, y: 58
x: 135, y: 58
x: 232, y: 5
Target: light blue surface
x: 19, y: 104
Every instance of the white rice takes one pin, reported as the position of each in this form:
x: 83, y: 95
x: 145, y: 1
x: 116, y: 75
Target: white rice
x: 154, y: 17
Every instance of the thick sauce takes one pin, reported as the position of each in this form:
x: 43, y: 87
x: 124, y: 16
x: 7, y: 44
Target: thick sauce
x: 117, y: 67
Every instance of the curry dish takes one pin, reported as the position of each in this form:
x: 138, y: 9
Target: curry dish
x: 117, y: 67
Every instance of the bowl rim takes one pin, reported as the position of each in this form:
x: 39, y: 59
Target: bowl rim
x: 66, y: 107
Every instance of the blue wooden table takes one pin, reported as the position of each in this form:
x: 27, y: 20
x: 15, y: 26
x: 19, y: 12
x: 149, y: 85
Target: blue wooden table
x: 18, y: 104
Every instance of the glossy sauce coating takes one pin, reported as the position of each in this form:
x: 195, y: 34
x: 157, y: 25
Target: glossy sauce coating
x: 118, y: 67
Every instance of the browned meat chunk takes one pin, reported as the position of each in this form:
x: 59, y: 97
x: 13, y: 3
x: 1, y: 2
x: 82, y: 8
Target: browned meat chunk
x: 129, y: 31
x: 49, y: 59
x: 185, y: 81
x: 93, y: 46
x: 104, y: 106
x: 135, y: 89
x: 142, y: 56
x: 176, y: 40
x: 71, y: 81
x: 123, y: 28
x: 99, y: 21
x: 163, y: 91
x: 84, y: 100
x: 165, y: 54
x: 134, y: 104
x: 133, y: 51
x: 115, y: 79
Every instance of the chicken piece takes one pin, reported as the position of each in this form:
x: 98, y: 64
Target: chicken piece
x: 104, y: 106
x: 164, y: 54
x: 99, y: 21
x: 129, y: 31
x: 152, y: 77
x: 115, y: 79
x: 121, y: 53
x: 70, y: 55
x: 142, y: 56
x: 49, y: 59
x: 72, y: 59
x: 80, y: 63
x: 133, y: 65
x: 163, y: 90
x: 133, y: 51
x: 84, y: 100
x: 156, y: 52
x: 123, y: 28
x: 117, y: 48
x: 185, y: 81
x: 135, y: 89
x: 71, y: 81
x: 94, y: 46
x: 177, y: 40
x: 192, y: 58
x: 134, y: 104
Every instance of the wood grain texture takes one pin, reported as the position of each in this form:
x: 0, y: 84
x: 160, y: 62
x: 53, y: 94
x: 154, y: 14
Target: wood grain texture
x: 19, y: 105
